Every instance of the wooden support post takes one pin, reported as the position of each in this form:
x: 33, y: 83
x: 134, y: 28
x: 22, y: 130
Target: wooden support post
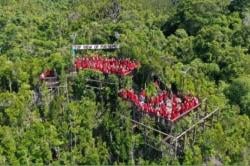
x: 133, y: 113
x: 188, y: 137
x: 144, y: 132
x: 212, y: 119
x: 119, y: 81
x: 162, y: 152
x: 182, y: 145
x: 194, y: 135
x: 206, y: 111
x: 171, y: 128
x: 132, y: 154
x: 199, y: 111
x: 208, y: 125
x: 218, y: 115
x: 140, y: 115
x: 67, y: 92
x: 132, y: 146
x: 175, y: 148
x: 101, y: 97
x: 203, y: 126
x: 200, y: 128
x: 201, y: 121
x: 184, y: 141
x: 149, y: 128
x: 197, y: 117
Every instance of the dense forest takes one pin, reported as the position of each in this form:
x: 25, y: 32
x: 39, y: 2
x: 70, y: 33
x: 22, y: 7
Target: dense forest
x: 81, y: 125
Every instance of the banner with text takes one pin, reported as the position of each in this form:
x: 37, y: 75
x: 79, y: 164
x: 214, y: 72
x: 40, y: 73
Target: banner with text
x: 95, y: 46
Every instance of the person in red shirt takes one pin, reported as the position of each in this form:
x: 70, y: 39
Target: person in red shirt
x: 150, y: 101
x: 157, y: 111
x: 145, y: 107
x: 133, y: 96
x: 189, y: 103
x: 196, y: 101
x: 122, y: 71
x: 141, y: 105
x: 150, y: 109
x: 169, y: 106
x: 127, y: 95
x: 112, y: 68
x: 158, y: 100
x: 97, y: 64
x: 161, y: 98
x: 174, y: 113
x: 78, y: 64
x: 178, y: 108
x: 163, y: 110
x: 85, y: 63
x: 184, y: 107
x: 174, y: 107
x: 101, y: 66
x: 142, y: 95
x: 136, y: 101
x: 130, y: 94
x: 192, y: 104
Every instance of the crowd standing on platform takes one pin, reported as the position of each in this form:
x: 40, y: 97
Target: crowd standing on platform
x: 116, y: 66
x: 165, y: 104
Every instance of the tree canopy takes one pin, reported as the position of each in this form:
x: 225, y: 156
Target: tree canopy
x: 81, y: 125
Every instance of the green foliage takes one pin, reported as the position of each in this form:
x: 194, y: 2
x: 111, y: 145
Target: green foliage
x: 201, y: 45
x: 151, y: 89
x: 239, y: 5
x: 193, y: 157
x: 238, y: 93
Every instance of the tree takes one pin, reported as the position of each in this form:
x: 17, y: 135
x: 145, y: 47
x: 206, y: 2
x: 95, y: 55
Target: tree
x: 238, y: 93
x: 239, y: 5
x: 192, y: 15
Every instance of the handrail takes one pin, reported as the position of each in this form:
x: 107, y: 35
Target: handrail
x: 92, y: 80
x: 185, y: 113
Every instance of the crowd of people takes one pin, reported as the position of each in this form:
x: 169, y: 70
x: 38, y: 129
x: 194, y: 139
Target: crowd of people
x: 120, y: 67
x: 166, y: 105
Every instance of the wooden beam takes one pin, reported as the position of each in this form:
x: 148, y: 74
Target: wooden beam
x: 199, y: 122
x: 158, y: 141
x: 194, y: 135
x: 165, y: 134
x: 167, y: 138
x: 100, y: 81
x: 93, y: 87
x: 185, y: 113
x: 153, y: 147
x: 175, y: 148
